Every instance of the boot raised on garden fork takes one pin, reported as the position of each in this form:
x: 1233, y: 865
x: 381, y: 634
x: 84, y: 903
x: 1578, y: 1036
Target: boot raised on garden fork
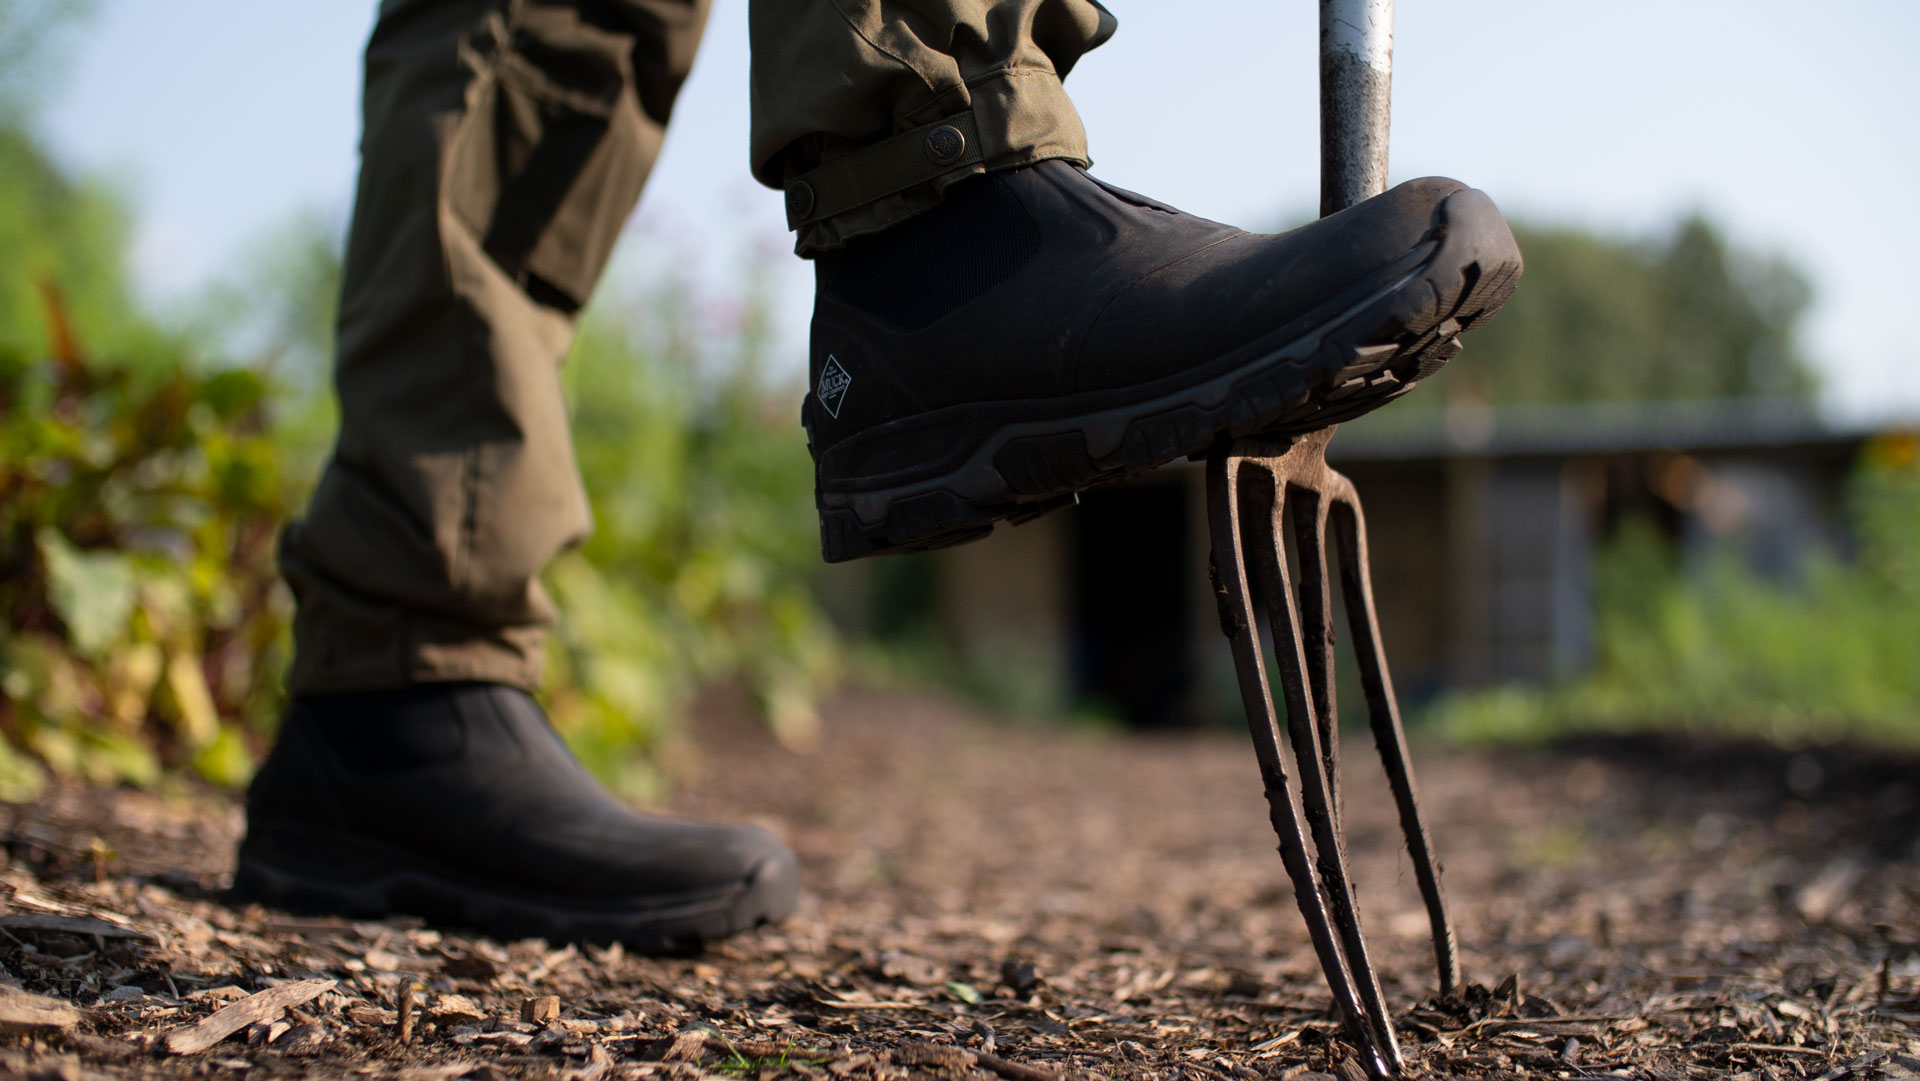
x: 1258, y: 486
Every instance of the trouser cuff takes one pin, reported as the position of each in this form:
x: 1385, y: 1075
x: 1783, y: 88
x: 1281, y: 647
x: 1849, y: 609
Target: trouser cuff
x: 1017, y: 117
x: 344, y: 641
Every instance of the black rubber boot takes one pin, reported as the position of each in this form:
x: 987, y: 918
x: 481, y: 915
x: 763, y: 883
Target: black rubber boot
x: 1040, y: 332
x: 457, y: 802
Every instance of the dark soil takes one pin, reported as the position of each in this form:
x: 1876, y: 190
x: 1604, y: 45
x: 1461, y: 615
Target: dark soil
x: 989, y: 901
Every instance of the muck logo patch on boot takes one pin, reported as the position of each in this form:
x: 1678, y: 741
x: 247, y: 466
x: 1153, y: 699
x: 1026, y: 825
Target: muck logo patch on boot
x: 834, y: 382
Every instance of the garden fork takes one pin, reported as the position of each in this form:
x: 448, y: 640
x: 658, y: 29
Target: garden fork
x: 1254, y: 486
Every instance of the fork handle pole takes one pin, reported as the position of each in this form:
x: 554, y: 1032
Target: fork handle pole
x: 1356, y: 96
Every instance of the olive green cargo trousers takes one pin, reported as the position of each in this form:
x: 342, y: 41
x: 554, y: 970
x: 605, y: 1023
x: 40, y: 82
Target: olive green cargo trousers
x: 504, y: 144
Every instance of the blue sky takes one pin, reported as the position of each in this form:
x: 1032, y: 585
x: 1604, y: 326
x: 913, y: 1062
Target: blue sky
x: 1792, y: 124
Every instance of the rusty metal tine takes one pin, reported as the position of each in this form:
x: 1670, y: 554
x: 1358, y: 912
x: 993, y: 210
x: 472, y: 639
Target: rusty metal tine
x: 1389, y: 735
x: 1297, y: 673
x: 1239, y: 623
x: 1307, y: 508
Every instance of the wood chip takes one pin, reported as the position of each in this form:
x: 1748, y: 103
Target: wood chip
x: 21, y: 1011
x: 305, y: 1039
x: 511, y: 1039
x: 844, y: 1067
x: 911, y: 969
x: 266, y: 1032
x: 383, y: 960
x: 943, y: 1057
x: 842, y: 1004
x: 266, y: 1005
x: 687, y: 1047
x: 456, y: 1008
x: 1816, y: 900
x: 540, y: 1010
x: 405, y: 1012
x: 83, y: 926
x: 1013, y: 1071
x: 1778, y: 1049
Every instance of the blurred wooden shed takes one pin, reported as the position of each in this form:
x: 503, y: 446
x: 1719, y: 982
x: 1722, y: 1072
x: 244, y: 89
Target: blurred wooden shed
x: 1484, y: 524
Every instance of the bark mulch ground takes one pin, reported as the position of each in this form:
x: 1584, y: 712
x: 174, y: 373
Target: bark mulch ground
x: 996, y: 903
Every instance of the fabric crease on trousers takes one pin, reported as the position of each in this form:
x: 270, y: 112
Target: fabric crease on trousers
x: 504, y: 144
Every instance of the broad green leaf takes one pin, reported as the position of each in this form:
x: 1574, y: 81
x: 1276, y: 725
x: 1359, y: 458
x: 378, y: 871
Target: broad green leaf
x: 92, y: 591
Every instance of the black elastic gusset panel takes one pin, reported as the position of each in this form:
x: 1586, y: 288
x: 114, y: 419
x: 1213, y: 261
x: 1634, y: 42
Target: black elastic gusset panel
x: 387, y: 731
x: 931, y: 264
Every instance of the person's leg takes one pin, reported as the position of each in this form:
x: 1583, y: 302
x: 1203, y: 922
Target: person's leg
x: 994, y: 330
x: 504, y: 144
x: 505, y: 141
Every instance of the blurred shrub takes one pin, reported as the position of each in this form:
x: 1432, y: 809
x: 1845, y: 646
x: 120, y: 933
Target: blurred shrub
x: 140, y: 498
x: 1716, y: 649
x: 705, y: 550
x: 138, y: 509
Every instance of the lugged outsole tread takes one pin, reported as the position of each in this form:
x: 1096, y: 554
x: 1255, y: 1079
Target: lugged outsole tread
x: 770, y: 895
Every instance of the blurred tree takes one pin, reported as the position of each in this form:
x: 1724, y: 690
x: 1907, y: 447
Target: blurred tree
x: 56, y: 230
x: 31, y: 36
x: 277, y: 306
x: 1604, y: 319
x: 70, y: 234
x: 276, y: 310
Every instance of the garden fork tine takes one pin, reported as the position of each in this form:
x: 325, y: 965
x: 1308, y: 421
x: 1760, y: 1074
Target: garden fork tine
x: 1303, y: 644
x: 1239, y: 505
x: 1383, y: 716
x: 1315, y: 623
x: 1248, y: 494
x: 1335, y: 506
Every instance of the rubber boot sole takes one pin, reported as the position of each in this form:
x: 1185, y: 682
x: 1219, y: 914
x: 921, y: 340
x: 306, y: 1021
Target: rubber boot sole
x: 303, y: 869
x: 1018, y: 459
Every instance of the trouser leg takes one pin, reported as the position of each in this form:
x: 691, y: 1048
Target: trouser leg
x: 504, y: 143
x: 847, y: 92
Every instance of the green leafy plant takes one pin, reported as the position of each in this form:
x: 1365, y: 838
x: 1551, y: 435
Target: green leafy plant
x: 142, y: 486
x: 145, y: 630
x: 138, y: 509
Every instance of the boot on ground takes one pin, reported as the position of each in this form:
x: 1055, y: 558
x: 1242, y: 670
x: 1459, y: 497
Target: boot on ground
x: 457, y: 802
